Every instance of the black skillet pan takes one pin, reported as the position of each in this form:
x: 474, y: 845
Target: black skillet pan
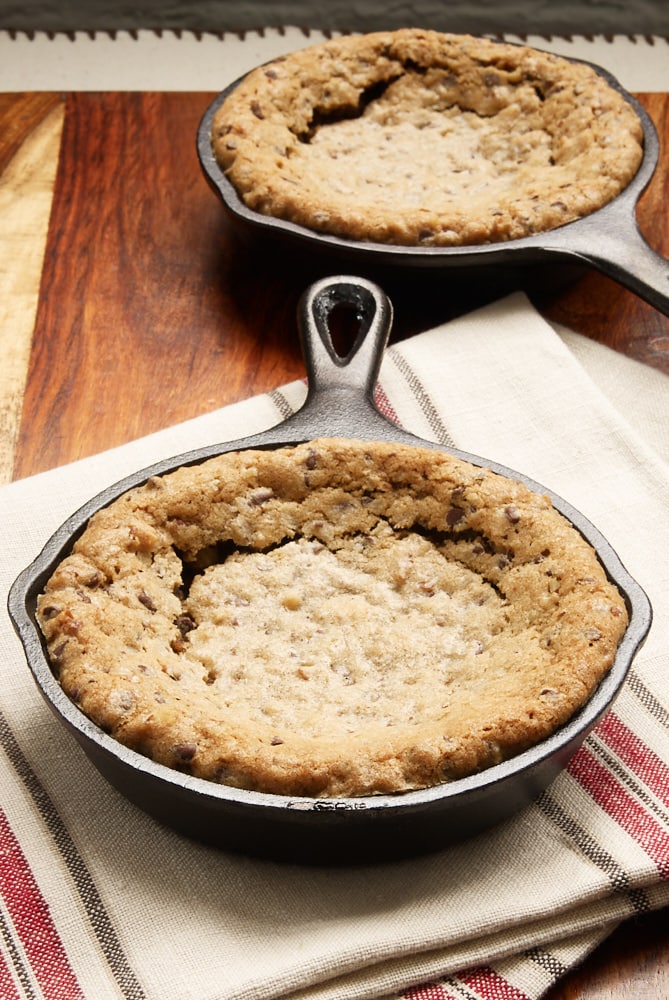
x: 608, y: 240
x: 306, y: 830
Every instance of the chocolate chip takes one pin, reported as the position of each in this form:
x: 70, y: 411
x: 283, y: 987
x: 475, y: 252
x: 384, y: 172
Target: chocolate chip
x: 550, y: 694
x: 512, y: 513
x: 184, y: 752
x: 257, y: 110
x: 276, y: 741
x: 58, y: 651
x: 260, y: 497
x: 185, y: 624
x: 49, y: 612
x: 454, y: 515
x: 146, y: 600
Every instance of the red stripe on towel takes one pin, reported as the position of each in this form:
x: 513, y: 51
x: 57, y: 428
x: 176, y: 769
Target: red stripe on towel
x: 383, y: 405
x: 634, y: 753
x: 606, y: 791
x: 32, y: 922
x: 489, y: 985
x: 484, y: 982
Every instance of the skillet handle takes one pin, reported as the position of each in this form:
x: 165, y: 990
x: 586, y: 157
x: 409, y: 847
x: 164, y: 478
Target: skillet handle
x: 631, y: 261
x: 340, y: 396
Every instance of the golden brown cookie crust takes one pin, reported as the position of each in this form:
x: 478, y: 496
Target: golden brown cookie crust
x: 340, y: 618
x: 419, y: 138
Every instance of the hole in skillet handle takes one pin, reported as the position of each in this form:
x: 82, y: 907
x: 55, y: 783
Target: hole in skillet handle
x: 346, y: 324
x: 341, y: 314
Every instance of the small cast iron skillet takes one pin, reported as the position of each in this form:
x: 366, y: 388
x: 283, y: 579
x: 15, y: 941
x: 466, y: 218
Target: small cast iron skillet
x: 306, y: 830
x: 608, y: 240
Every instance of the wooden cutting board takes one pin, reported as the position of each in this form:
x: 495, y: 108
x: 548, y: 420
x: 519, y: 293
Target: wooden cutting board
x: 127, y: 304
x: 151, y: 310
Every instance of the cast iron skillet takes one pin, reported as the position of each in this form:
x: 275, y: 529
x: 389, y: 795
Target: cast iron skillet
x: 306, y: 830
x: 608, y: 239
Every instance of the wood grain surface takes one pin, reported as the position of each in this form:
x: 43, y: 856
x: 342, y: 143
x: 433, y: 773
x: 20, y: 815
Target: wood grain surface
x: 152, y: 310
x: 148, y: 309
x: 29, y: 142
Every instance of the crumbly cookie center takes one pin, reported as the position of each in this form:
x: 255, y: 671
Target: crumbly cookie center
x: 439, y: 156
x: 308, y: 639
x: 413, y: 139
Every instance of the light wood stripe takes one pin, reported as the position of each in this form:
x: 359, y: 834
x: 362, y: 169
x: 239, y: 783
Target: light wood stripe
x: 26, y: 188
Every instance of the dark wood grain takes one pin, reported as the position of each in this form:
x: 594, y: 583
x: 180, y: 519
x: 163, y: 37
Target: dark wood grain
x: 152, y: 311
x: 144, y: 316
x: 20, y: 114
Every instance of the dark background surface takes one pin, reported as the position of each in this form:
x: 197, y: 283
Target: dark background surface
x: 545, y: 17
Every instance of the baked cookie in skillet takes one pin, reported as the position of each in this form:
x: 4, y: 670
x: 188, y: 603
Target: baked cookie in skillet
x: 339, y: 618
x: 419, y: 138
